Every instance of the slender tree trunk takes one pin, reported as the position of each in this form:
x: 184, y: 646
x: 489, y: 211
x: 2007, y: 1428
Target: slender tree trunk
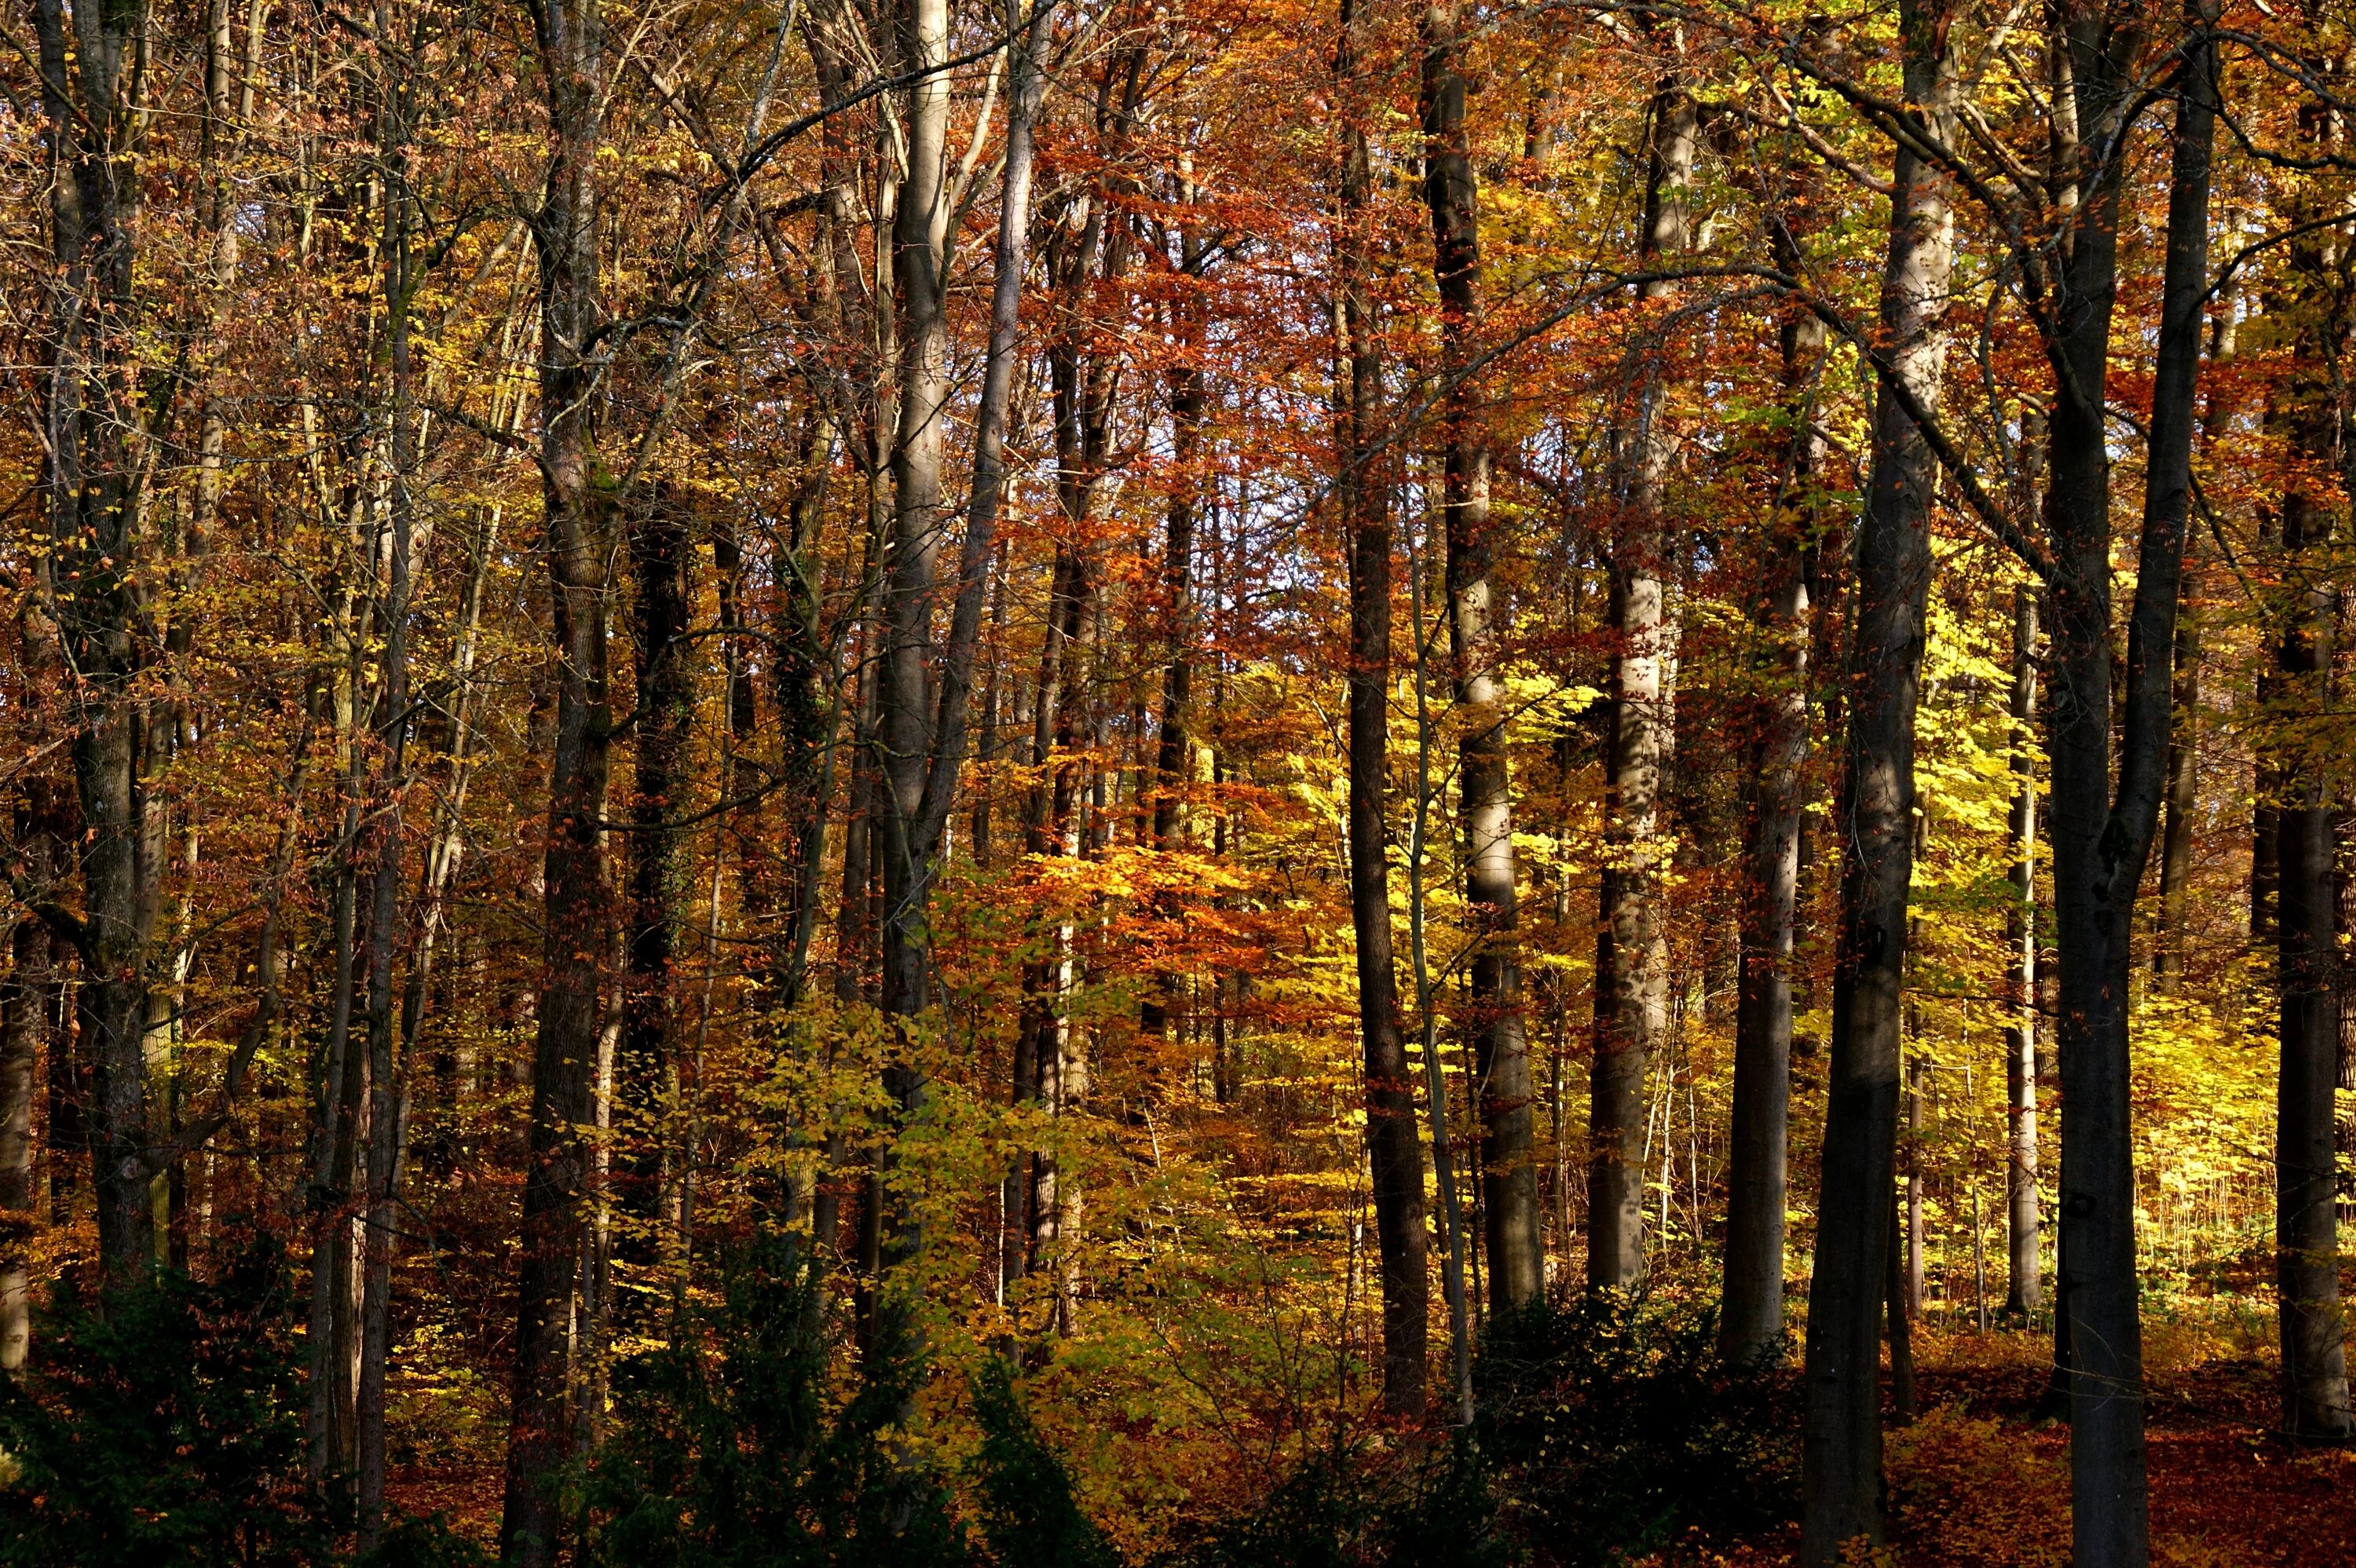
x: 579, y: 912
x: 29, y: 1002
x: 2183, y: 798
x: 1453, y: 1235
x: 919, y: 239
x: 340, y: 1105
x: 1171, y: 742
x: 661, y: 554
x: 1632, y: 981
x: 1751, y: 1323
x: 1918, y: 1090
x: 1364, y: 500
x: 2265, y: 839
x: 1900, y: 1320
x: 1841, y: 1481
x: 2023, y: 1291
x: 2306, y: 1246
x: 1501, y: 1045
x: 386, y: 1100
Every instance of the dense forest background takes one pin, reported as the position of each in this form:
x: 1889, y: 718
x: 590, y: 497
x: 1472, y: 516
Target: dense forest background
x: 1089, y: 782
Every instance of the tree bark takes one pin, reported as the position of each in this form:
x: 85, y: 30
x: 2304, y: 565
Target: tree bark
x: 925, y: 745
x: 919, y: 240
x: 1364, y: 500
x: 96, y: 426
x: 2102, y: 833
x: 1842, y: 1495
x: 341, y: 1099
x: 2306, y: 1251
x: 1172, y: 741
x: 2023, y: 1290
x: 661, y: 549
x: 29, y: 1003
x: 2183, y: 792
x: 578, y: 902
x: 1751, y: 1322
x: 1632, y: 981
x: 1509, y: 1173
x: 2307, y: 1262
x: 387, y: 1102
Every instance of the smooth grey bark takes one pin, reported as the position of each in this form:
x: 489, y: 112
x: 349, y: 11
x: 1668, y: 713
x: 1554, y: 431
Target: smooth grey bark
x: 2103, y: 833
x: 1509, y: 1173
x: 2182, y: 800
x: 1364, y: 497
x: 2023, y: 1289
x: 919, y: 260
x: 1632, y: 981
x: 2306, y: 1244
x: 1750, y: 1318
x: 924, y: 744
x: 1842, y: 1494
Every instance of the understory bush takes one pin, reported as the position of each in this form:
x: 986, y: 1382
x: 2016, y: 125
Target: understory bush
x: 162, y: 1424
x: 1614, y: 1429
x: 731, y: 1447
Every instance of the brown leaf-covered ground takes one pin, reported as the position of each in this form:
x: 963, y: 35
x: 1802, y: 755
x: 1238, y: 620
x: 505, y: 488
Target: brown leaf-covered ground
x: 1982, y: 1479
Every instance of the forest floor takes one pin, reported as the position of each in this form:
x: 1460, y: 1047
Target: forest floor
x: 1982, y: 1480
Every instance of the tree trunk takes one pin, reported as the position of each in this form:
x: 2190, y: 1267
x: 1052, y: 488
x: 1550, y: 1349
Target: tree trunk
x: 341, y: 1101
x: 1364, y: 500
x: 1900, y: 1320
x: 96, y: 424
x: 578, y: 903
x: 1751, y: 1322
x: 29, y: 1002
x: 2306, y: 1257
x: 387, y: 1102
x: 1501, y: 1046
x: 2102, y: 839
x: 919, y: 239
x: 1632, y: 981
x: 2022, y: 1291
x: 1172, y: 742
x: 925, y: 746
x: 2183, y: 792
x: 1841, y: 1480
x: 1918, y: 1089
x: 661, y: 554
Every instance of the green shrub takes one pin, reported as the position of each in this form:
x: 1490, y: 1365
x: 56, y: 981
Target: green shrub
x: 163, y: 1424
x: 726, y: 1452
x: 1023, y: 1493
x: 1615, y: 1429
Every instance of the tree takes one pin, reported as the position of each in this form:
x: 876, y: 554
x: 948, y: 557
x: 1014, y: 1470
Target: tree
x: 1364, y: 499
x: 1631, y: 955
x: 1841, y: 1481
